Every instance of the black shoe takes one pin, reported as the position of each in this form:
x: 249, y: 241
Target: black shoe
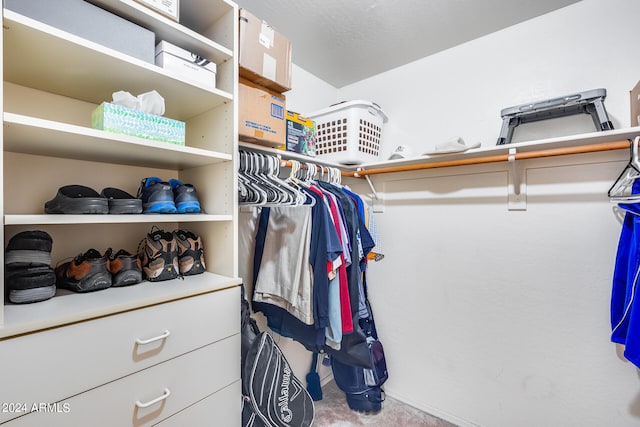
x: 30, y: 284
x: 125, y: 268
x: 85, y: 273
x: 28, y: 248
x: 156, y: 196
x: 77, y: 199
x: 185, y: 197
x: 121, y: 202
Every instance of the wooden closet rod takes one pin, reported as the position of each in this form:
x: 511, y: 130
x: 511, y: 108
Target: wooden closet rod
x: 550, y: 152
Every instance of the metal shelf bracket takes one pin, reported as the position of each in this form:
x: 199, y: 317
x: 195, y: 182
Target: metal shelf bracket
x: 517, y: 185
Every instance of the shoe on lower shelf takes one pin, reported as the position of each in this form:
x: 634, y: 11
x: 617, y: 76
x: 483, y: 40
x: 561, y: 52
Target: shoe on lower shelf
x: 30, y: 284
x: 86, y: 272
x: 185, y: 197
x: 125, y: 268
x: 190, y: 253
x: 27, y: 296
x: 29, y: 248
x: 156, y: 196
x: 77, y: 199
x: 121, y: 202
x: 158, y: 254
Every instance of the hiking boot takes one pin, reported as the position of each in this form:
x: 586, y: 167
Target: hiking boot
x: 158, y: 254
x: 87, y: 272
x: 77, y: 199
x: 29, y: 248
x: 190, y: 253
x: 121, y: 202
x: 185, y: 197
x: 156, y: 196
x: 125, y: 268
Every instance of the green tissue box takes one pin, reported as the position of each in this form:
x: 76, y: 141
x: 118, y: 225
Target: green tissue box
x: 118, y: 119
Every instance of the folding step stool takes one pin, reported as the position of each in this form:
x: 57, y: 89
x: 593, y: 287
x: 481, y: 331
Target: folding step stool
x: 589, y: 102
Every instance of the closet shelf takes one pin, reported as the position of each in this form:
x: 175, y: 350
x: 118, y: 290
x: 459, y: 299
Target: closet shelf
x: 69, y: 307
x: 567, y: 145
x: 173, y: 32
x: 92, y: 72
x: 31, y: 135
x: 45, y: 219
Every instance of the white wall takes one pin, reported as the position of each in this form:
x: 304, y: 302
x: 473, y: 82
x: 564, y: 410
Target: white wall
x: 493, y: 317
x: 309, y: 93
x: 460, y: 92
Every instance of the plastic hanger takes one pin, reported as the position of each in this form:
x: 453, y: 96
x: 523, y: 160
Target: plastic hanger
x: 622, y: 189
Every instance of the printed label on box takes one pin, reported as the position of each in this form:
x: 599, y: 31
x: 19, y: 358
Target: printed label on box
x: 171, y: 8
x: 277, y: 111
x: 269, y: 66
x: 267, y: 34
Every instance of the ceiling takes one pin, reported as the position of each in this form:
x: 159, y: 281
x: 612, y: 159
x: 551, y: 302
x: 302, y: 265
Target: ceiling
x: 344, y: 41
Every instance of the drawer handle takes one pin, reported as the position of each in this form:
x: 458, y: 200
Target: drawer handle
x: 166, y: 393
x: 162, y: 336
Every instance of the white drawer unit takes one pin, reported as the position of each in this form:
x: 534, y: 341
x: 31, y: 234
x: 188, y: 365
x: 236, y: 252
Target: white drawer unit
x: 52, y: 365
x: 220, y: 409
x: 153, y: 394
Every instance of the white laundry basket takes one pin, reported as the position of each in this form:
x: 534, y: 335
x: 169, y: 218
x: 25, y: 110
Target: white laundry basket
x: 349, y: 132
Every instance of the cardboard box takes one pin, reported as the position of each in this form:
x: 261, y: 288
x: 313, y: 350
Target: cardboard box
x: 301, y: 134
x: 261, y: 115
x: 91, y: 23
x: 118, y: 119
x: 635, y: 105
x: 264, y: 54
x: 169, y: 8
x: 188, y: 66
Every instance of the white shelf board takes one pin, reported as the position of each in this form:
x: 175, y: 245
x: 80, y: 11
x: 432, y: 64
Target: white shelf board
x: 173, y: 32
x: 30, y: 135
x: 491, y: 150
x: 68, y: 307
x: 49, y: 219
x: 521, y: 147
x: 92, y: 72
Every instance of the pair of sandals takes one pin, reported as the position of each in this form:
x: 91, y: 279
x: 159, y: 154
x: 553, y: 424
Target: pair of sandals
x: 78, y: 199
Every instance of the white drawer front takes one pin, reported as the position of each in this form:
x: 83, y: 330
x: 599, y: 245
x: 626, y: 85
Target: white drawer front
x: 52, y: 365
x: 221, y: 409
x: 173, y: 385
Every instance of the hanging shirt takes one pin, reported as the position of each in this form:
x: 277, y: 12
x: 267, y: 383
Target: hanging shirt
x: 625, y: 310
x: 285, y: 277
x: 325, y: 247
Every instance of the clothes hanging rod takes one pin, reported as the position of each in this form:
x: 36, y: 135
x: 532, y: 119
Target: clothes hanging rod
x: 550, y: 152
x: 288, y: 164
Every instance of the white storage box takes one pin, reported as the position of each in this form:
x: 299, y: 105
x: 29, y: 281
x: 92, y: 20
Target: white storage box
x: 349, y: 132
x: 186, y: 65
x: 90, y: 22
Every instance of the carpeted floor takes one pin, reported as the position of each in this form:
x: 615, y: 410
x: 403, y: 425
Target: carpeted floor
x: 333, y: 411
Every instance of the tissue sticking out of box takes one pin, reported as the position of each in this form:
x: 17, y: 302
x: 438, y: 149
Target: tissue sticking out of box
x: 148, y: 102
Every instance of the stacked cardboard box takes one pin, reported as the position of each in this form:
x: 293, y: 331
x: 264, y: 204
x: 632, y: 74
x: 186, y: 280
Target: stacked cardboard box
x: 265, y: 74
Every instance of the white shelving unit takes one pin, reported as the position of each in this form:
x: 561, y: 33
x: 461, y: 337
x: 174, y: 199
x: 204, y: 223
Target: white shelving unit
x: 52, y: 81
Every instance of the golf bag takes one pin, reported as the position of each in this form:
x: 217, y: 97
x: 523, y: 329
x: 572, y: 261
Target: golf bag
x: 363, y: 387
x: 272, y: 395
